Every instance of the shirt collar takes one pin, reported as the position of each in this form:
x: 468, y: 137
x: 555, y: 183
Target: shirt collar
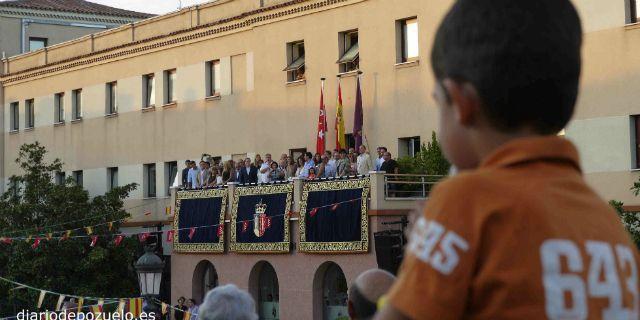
x: 545, y: 148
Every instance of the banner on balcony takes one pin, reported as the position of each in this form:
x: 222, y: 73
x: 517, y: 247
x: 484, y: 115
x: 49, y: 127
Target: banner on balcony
x: 333, y: 216
x: 260, y: 218
x: 199, y: 214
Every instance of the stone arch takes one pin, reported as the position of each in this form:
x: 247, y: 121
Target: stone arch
x: 329, y: 292
x: 205, y: 278
x: 264, y: 287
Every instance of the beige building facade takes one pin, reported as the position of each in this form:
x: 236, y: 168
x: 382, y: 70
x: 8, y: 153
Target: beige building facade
x: 224, y: 78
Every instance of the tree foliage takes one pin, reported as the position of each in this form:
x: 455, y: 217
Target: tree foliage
x: 34, y: 205
x: 429, y: 160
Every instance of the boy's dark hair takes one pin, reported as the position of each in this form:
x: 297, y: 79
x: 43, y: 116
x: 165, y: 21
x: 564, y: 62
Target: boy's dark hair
x: 522, y: 56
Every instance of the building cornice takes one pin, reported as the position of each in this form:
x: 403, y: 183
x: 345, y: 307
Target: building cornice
x: 65, y: 16
x: 240, y: 21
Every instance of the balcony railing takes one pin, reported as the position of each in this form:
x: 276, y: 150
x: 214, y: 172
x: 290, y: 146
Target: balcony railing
x: 408, y: 186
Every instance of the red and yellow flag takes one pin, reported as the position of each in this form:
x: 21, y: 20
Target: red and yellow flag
x: 135, y: 306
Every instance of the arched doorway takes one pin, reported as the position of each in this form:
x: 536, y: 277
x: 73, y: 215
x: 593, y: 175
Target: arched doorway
x: 265, y: 289
x: 330, y: 290
x: 205, y: 278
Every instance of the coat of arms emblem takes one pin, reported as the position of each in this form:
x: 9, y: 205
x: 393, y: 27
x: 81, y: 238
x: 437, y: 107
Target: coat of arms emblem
x: 260, y: 223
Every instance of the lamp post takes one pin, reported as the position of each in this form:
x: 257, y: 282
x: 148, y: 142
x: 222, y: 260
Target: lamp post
x: 149, y: 268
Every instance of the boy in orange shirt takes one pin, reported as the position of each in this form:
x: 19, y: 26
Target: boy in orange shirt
x: 517, y: 234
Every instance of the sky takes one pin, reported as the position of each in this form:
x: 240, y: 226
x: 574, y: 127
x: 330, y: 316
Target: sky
x: 149, y: 6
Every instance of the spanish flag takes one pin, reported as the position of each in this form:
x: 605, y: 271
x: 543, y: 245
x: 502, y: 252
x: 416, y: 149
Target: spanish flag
x: 341, y: 141
x: 135, y: 307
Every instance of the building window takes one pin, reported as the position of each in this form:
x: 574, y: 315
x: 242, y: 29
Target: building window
x: 170, y: 86
x: 170, y: 173
x: 61, y: 178
x: 150, y: 180
x: 112, y: 177
x: 632, y: 11
x: 407, y: 40
x: 349, y: 51
x: 59, y: 107
x: 76, y: 104
x: 408, y: 146
x: 36, y: 43
x: 295, y: 61
x: 149, y: 88
x: 77, y: 177
x: 635, y: 141
x: 29, y: 114
x: 14, y: 108
x: 213, y: 78
x: 296, y: 153
x: 112, y: 98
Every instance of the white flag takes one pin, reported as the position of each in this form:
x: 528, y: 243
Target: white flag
x: 60, y: 301
x: 41, y: 298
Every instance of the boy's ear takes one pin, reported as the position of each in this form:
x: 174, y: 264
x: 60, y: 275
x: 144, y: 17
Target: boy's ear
x: 465, y: 101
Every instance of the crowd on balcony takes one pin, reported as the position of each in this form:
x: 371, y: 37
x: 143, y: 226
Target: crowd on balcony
x: 340, y: 163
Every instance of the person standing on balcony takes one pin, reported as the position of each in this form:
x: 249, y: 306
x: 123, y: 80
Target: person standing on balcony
x: 185, y: 173
x: 308, y: 164
x: 192, y: 180
x: 343, y: 165
x: 380, y: 159
x: 248, y: 174
x: 263, y: 174
x: 363, y: 161
x: 389, y: 166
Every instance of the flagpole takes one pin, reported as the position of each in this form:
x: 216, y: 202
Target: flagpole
x: 324, y: 141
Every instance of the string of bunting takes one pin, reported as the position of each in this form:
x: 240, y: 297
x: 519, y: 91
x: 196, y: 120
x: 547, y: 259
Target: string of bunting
x: 143, y: 236
x: 135, y: 304
x: 146, y: 213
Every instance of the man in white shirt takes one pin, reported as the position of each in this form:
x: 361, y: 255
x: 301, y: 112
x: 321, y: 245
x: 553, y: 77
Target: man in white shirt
x: 333, y: 158
x: 363, y: 161
x: 263, y: 173
x: 380, y: 160
x: 193, y: 181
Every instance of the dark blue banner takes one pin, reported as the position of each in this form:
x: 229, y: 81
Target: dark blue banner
x: 333, y: 216
x: 259, y: 218
x: 199, y: 215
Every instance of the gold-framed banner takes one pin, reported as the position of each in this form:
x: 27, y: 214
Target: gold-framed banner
x: 333, y: 216
x: 260, y: 219
x: 198, y: 221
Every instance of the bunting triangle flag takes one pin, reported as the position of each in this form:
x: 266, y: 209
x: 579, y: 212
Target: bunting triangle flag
x: 41, y: 298
x: 49, y: 236
x: 36, y: 243
x: 245, y: 226
x: 60, y: 302
x: 168, y: 210
x: 313, y: 212
x: 220, y: 230
x: 96, y: 310
x: 118, y: 240
x: 89, y: 230
x: 80, y: 303
x: 335, y: 207
x: 111, y: 226
x: 147, y: 213
x: 143, y: 236
x: 121, y: 305
x: 94, y: 239
x: 170, y: 235
x: 6, y: 240
x: 192, y: 232
x: 28, y: 239
x: 135, y: 306
x: 165, y: 308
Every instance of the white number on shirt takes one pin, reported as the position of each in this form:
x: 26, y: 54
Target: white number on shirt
x: 603, y: 280
x: 424, y: 238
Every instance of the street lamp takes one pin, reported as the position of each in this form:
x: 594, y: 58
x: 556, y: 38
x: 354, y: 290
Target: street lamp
x: 149, y: 268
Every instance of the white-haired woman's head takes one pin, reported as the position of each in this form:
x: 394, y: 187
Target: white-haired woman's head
x: 227, y: 303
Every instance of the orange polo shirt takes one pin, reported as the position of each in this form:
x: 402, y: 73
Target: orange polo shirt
x: 521, y: 237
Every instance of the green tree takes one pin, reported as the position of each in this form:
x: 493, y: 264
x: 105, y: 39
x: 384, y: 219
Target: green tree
x: 429, y: 160
x: 33, y: 206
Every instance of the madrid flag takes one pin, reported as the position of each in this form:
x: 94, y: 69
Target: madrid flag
x: 322, y: 124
